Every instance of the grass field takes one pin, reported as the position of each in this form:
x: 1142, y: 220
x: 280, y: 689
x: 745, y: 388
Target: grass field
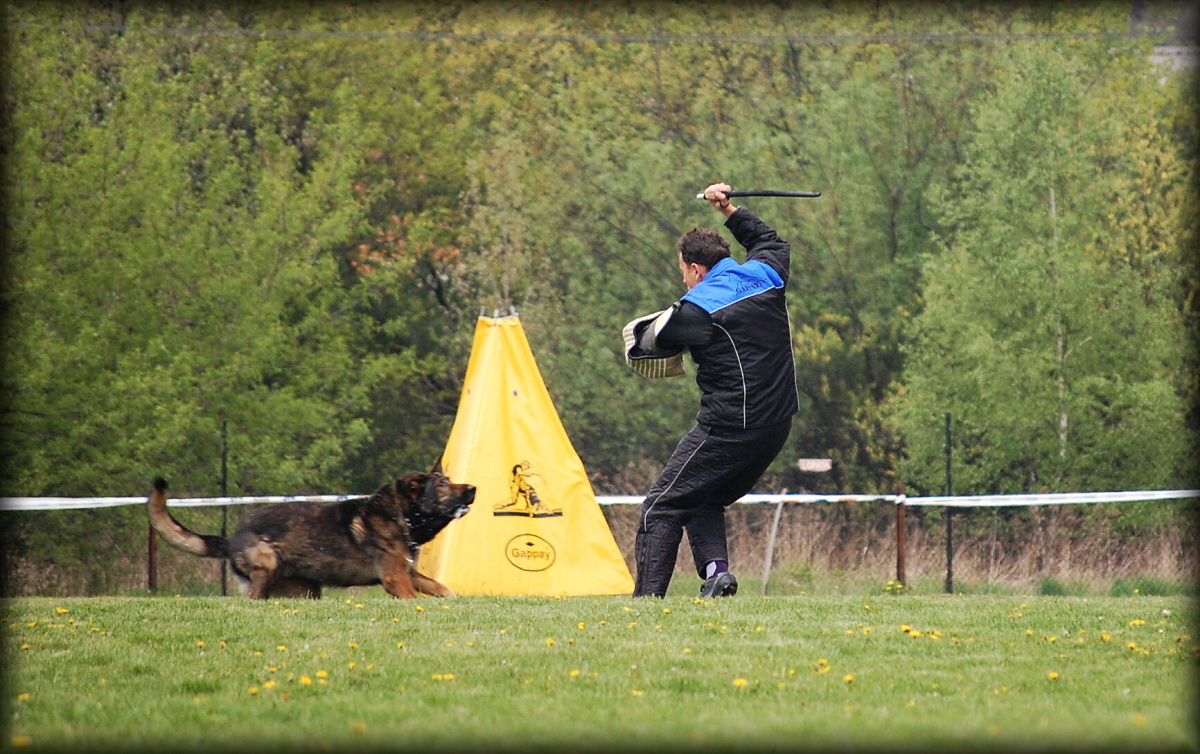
x: 359, y: 670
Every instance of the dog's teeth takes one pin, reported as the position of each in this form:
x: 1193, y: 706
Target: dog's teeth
x: 461, y: 512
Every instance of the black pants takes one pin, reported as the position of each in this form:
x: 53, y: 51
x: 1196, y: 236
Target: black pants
x: 709, y: 470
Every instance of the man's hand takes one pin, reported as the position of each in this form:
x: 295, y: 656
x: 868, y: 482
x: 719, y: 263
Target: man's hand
x: 715, y: 194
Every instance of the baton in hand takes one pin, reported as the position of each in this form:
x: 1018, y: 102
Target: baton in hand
x: 768, y: 192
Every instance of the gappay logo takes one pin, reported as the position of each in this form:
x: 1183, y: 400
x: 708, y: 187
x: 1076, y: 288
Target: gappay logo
x: 529, y: 552
x: 523, y: 498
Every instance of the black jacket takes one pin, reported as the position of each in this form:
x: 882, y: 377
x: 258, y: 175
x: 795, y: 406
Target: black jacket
x: 736, y: 324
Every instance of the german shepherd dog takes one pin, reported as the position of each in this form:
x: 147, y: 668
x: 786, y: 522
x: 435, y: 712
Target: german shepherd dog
x: 293, y: 549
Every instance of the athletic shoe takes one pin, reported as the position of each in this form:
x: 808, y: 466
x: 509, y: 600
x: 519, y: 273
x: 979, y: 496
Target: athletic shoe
x: 721, y: 585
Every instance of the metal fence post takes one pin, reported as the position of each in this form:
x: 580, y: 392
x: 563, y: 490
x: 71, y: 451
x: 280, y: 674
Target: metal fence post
x: 900, y: 534
x: 224, y: 493
x: 949, y: 513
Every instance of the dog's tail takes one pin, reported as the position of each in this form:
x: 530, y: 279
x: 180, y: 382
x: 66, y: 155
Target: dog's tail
x: 176, y: 535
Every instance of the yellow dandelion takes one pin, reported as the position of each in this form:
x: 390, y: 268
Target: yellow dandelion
x: 305, y: 680
x: 1105, y: 637
x: 1029, y: 632
x: 550, y: 642
x: 352, y: 645
x: 352, y: 665
x: 1139, y: 719
x: 687, y: 650
x: 322, y: 674
x: 1052, y: 675
x: 252, y: 691
x: 269, y: 685
x: 399, y: 645
x: 272, y: 669
x: 574, y: 673
x: 281, y: 648
x: 20, y: 742
x: 638, y: 692
x: 420, y: 609
x: 905, y: 628
x: 358, y: 728
x: 22, y: 697
x: 666, y: 611
x: 26, y: 646
x: 822, y: 662
x: 848, y: 678
x: 739, y: 682
x: 581, y: 625
x: 200, y: 644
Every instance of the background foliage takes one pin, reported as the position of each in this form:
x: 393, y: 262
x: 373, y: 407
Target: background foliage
x: 286, y: 218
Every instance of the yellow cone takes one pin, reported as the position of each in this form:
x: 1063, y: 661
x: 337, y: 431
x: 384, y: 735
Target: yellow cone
x: 535, y: 527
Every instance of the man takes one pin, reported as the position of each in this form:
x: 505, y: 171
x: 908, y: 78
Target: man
x: 735, y: 322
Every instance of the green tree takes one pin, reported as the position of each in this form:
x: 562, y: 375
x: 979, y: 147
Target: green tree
x: 171, y: 267
x: 1049, y: 331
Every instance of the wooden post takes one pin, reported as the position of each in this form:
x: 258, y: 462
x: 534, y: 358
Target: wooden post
x: 151, y: 561
x: 770, y: 548
x: 900, y: 534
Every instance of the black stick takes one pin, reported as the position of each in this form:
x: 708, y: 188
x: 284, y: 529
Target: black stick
x: 768, y: 192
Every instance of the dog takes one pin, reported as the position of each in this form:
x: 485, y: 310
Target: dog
x: 294, y: 549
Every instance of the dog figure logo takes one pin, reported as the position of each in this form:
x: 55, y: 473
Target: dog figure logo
x: 523, y: 498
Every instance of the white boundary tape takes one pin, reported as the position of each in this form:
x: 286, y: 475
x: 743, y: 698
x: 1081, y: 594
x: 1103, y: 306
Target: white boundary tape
x: 1063, y: 498
x: 967, y: 501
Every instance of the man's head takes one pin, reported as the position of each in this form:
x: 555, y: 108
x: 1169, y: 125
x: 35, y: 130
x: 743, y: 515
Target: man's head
x: 699, y: 251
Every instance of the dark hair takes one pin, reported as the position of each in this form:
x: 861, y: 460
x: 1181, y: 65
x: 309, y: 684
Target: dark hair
x: 704, y: 246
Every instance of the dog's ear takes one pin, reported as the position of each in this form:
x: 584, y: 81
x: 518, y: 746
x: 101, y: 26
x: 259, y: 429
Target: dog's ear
x: 437, y: 466
x: 412, y: 486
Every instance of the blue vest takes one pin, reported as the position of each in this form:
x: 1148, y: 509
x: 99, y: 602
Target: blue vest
x: 729, y: 282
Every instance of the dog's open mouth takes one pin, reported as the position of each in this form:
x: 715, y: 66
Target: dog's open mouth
x: 461, y: 511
